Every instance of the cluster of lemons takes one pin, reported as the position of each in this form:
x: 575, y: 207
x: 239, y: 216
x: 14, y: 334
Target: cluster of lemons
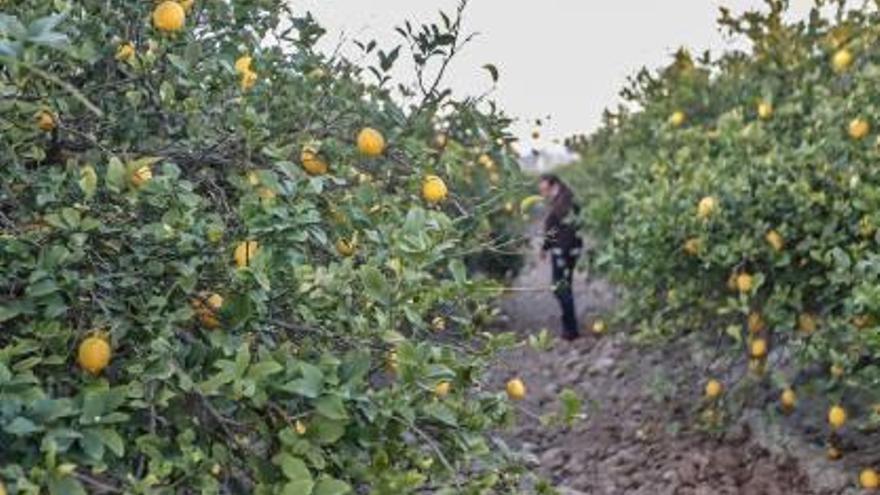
x: 857, y: 129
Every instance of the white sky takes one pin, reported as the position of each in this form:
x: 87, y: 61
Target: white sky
x: 564, y: 58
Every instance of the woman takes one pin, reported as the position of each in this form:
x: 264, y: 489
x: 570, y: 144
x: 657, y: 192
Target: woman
x: 562, y: 242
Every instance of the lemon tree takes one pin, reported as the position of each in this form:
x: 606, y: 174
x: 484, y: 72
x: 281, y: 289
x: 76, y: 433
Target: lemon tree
x: 234, y: 264
x: 737, y: 196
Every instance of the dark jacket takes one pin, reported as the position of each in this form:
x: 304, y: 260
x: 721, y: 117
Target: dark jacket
x: 561, y: 225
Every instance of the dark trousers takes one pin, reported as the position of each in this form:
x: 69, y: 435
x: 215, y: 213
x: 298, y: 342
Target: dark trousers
x: 563, y: 272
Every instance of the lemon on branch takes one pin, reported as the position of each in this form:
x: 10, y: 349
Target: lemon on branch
x: 169, y: 16
x: 94, y: 354
x: 370, y: 142
x: 434, y: 189
x: 46, y: 121
x: 312, y: 162
x: 245, y: 252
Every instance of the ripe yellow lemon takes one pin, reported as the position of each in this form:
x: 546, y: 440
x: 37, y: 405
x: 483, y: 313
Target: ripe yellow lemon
x: 94, y: 354
x: 758, y: 349
x: 434, y: 189
x: 46, y: 121
x: 245, y: 252
x: 141, y: 176
x: 125, y: 52
x: 775, y: 240
x: 370, y: 142
x: 714, y: 388
x: 837, y: 417
x: 788, y: 399
x: 599, y: 327
x: 744, y: 282
x: 859, y: 128
x: 677, y: 119
x: 707, y: 207
x: 169, y: 16
x: 442, y: 389
x: 869, y: 479
x: 692, y: 246
x: 756, y: 322
x: 516, y: 389
x: 311, y: 162
x: 248, y: 80
x: 765, y: 110
x: 842, y: 60
x: 243, y: 64
x: 345, y: 248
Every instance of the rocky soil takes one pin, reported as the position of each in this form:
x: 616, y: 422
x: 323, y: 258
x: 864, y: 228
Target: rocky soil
x: 641, y: 432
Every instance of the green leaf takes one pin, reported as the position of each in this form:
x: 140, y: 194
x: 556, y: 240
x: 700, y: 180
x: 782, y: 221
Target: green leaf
x: 263, y: 369
x: 326, y: 431
x: 112, y: 440
x: 303, y: 487
x: 8, y: 312
x: 292, y: 467
x: 311, y: 383
x: 331, y: 486
x: 116, y: 175
x: 65, y: 485
x: 331, y: 407
x: 88, y: 181
x: 375, y: 284
x: 21, y: 426
x: 441, y: 412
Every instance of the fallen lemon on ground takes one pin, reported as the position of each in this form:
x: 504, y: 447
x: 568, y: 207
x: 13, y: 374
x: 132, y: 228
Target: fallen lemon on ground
x: 599, y: 327
x: 714, y: 388
x: 370, y: 142
x: 245, y: 253
x: 758, y: 348
x: 434, y: 189
x: 94, y: 354
x: 169, y: 16
x: 837, y: 416
x: 788, y: 399
x: 833, y: 453
x: 869, y: 480
x: 516, y: 389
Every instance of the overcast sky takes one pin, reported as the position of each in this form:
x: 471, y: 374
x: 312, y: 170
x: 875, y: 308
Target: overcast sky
x: 563, y: 58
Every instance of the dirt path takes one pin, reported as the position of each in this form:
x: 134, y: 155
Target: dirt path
x: 640, y: 434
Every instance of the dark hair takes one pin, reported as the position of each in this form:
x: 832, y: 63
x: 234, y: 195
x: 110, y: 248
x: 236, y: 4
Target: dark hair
x: 553, y: 179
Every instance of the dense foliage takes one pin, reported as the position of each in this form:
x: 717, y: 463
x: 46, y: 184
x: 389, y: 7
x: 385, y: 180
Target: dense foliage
x: 212, y: 280
x: 739, y: 197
